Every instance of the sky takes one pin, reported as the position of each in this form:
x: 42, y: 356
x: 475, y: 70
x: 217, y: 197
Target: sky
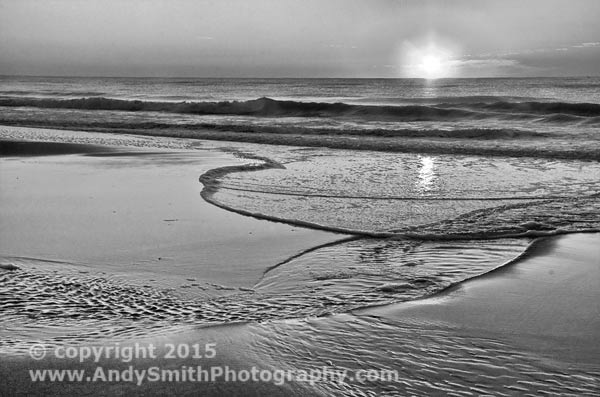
x: 300, y: 38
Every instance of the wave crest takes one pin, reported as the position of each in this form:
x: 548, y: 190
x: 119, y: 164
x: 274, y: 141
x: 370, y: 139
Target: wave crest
x: 267, y: 107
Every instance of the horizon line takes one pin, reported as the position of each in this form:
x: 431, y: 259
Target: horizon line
x: 297, y: 77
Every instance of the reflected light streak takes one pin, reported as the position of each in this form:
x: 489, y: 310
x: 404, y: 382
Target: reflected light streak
x: 426, y: 175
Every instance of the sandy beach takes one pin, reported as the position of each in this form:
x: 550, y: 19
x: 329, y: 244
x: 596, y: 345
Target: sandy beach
x: 509, y: 332
x: 119, y: 219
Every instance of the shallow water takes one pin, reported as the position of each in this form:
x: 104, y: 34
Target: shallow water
x: 426, y: 196
x: 430, y: 357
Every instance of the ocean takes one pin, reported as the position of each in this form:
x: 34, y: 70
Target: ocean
x: 554, y: 118
x: 428, y: 183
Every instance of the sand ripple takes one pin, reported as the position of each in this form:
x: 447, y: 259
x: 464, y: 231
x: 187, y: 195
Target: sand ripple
x: 59, y: 303
x: 431, y: 359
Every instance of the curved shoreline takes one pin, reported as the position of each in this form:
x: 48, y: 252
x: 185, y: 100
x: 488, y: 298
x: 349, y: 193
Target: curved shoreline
x: 211, y: 184
x: 210, y: 180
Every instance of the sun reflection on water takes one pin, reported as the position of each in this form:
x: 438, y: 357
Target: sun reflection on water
x: 427, y: 176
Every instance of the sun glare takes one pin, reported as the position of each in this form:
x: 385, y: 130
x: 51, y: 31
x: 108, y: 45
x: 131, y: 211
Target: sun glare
x: 428, y: 61
x: 431, y: 67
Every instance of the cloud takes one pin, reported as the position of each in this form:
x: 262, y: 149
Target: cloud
x: 587, y: 45
x: 345, y: 46
x: 532, y: 51
x: 490, y: 67
x: 484, y: 63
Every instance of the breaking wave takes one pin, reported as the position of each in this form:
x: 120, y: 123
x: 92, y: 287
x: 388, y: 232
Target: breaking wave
x: 267, y: 107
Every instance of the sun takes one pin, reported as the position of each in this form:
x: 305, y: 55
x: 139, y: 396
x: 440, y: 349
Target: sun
x: 431, y: 67
x: 430, y: 60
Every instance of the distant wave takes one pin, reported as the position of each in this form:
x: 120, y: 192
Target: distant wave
x: 448, y: 99
x: 263, y: 107
x: 266, y: 107
x: 532, y: 107
x: 34, y: 94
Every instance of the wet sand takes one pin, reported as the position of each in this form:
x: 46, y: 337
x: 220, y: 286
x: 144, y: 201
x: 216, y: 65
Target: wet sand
x: 530, y: 327
x: 137, y: 213
x: 548, y: 303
